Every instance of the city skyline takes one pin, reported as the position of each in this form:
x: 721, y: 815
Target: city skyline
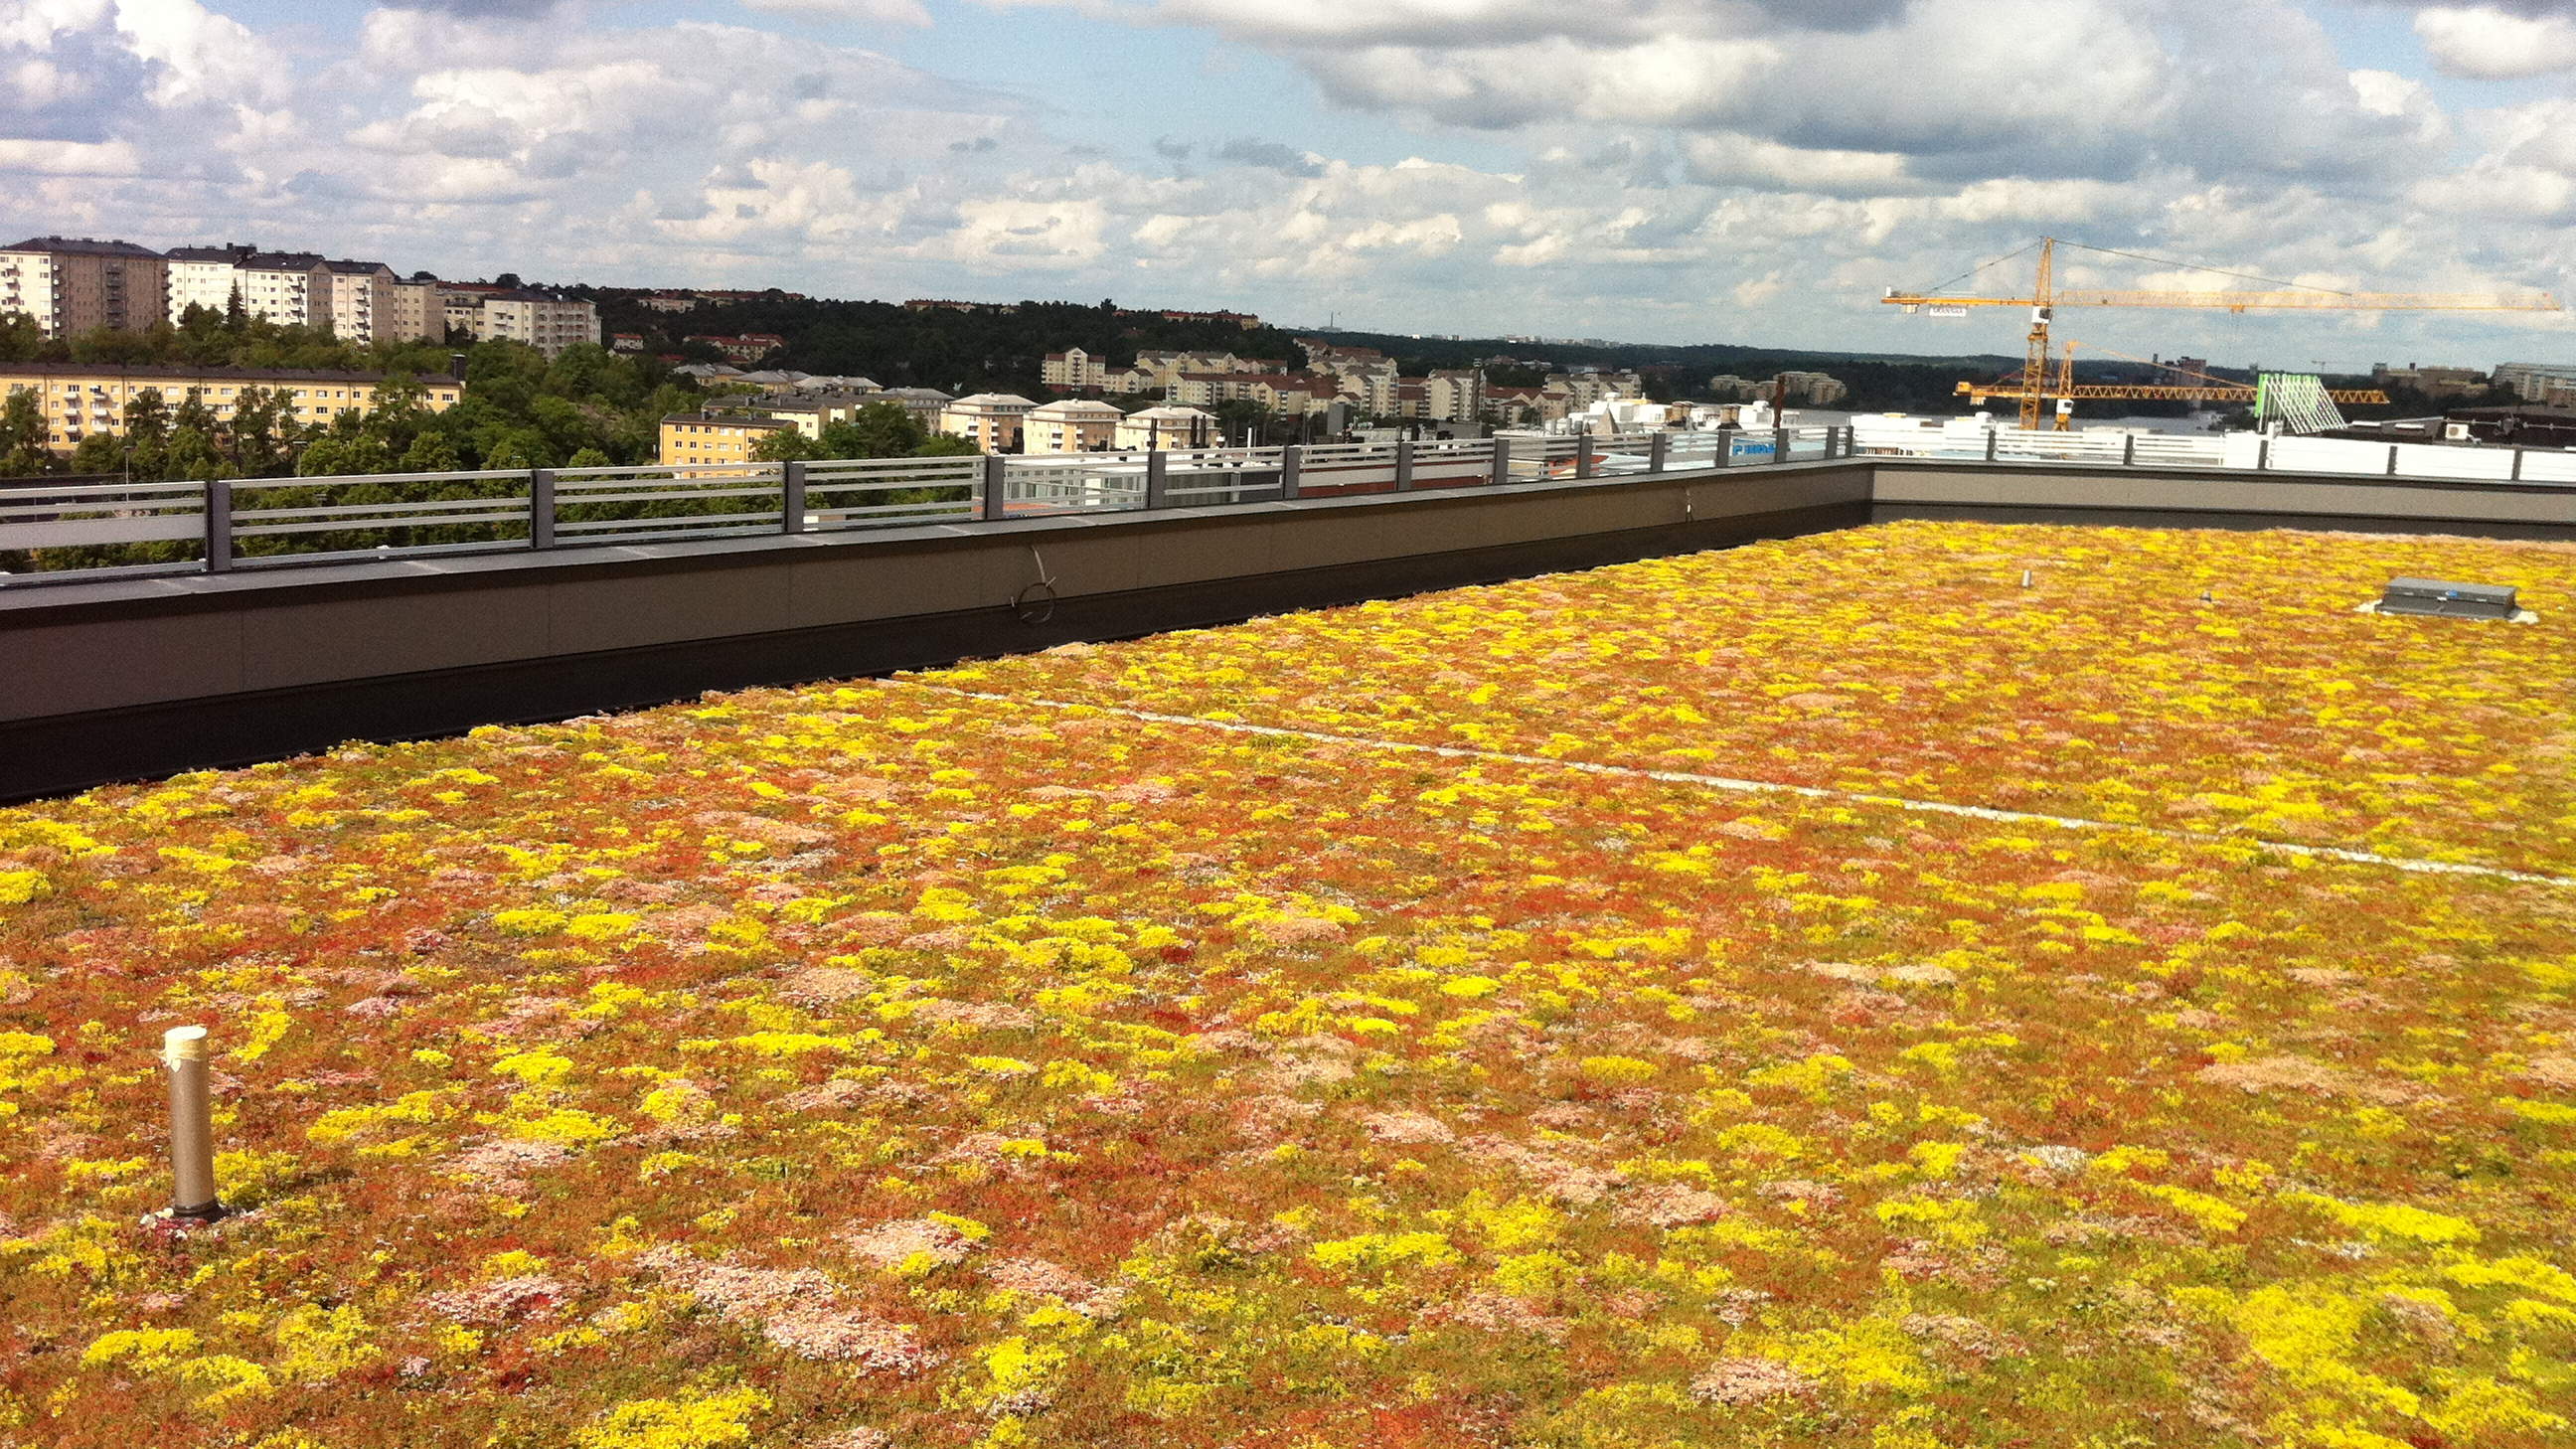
x: 1645, y: 171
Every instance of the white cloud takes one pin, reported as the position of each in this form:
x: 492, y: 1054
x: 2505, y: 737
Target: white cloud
x: 872, y: 12
x: 1681, y: 168
x: 2484, y: 42
x: 70, y: 158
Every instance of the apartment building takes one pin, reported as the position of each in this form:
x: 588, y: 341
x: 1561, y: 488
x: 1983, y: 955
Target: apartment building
x: 1073, y: 425
x: 2535, y: 381
x: 1454, y: 395
x: 703, y: 438
x: 545, y: 322
x: 992, y: 421
x: 208, y: 276
x: 72, y: 285
x: 1167, y: 428
x: 291, y: 289
x: 749, y: 347
x: 925, y: 404
x: 2431, y: 381
x: 1074, y: 370
x: 1282, y: 394
x: 83, y: 399
x: 358, y: 301
x: 810, y: 413
x: 460, y: 306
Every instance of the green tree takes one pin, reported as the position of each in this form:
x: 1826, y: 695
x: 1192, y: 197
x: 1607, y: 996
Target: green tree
x: 262, y: 434
x: 878, y: 430
x: 20, y: 338
x: 431, y: 452
x: 22, y: 437
x: 98, y: 453
x: 783, y: 446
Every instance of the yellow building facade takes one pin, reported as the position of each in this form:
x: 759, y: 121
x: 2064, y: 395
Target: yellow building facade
x: 702, y: 438
x: 83, y: 399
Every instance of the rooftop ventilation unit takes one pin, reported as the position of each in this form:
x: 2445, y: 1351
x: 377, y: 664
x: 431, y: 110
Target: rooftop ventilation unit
x: 2459, y: 601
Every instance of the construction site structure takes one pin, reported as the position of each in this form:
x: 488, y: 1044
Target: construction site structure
x: 2198, y: 387
x: 2037, y: 388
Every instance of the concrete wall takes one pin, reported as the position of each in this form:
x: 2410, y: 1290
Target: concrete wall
x: 142, y: 677
x: 123, y: 679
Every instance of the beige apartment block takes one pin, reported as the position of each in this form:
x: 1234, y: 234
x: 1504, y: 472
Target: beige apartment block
x: 699, y: 439
x: 1075, y: 425
x: 82, y: 399
x: 1167, y: 427
x: 1455, y: 395
x: 1074, y: 370
x: 361, y: 302
x: 460, y: 306
x: 547, y: 323
x: 417, y: 314
x: 72, y: 285
x: 992, y: 421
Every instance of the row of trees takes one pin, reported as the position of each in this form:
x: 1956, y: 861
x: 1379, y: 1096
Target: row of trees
x: 584, y: 408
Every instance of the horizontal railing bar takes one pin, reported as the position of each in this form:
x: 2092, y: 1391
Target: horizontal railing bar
x: 668, y: 523
x: 321, y: 480
x: 267, y: 530
x: 348, y: 510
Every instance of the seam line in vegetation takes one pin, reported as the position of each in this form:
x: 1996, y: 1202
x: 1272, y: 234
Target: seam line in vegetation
x: 1769, y: 787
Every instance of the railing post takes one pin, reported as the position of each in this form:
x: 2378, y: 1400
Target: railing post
x: 1779, y: 445
x: 2129, y: 450
x: 2516, y: 475
x: 541, y: 508
x: 2392, y: 460
x: 791, y: 497
x: 1502, y: 461
x: 219, y: 526
x: 1158, y: 479
x: 1991, y: 435
x: 1725, y: 448
x: 1583, y: 455
x: 1404, y: 465
x: 1656, y: 451
x: 2262, y: 454
x: 1292, y: 461
x: 995, y: 498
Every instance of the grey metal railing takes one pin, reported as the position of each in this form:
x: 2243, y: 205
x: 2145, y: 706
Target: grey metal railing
x: 97, y: 530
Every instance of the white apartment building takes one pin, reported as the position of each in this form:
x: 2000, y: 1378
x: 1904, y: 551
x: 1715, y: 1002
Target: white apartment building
x: 1166, y: 427
x: 992, y: 421
x: 291, y: 289
x: 548, y: 324
x: 27, y: 285
x: 205, y: 277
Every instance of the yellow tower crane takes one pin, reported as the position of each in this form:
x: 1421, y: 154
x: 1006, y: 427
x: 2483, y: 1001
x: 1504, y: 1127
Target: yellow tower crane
x: 2036, y: 385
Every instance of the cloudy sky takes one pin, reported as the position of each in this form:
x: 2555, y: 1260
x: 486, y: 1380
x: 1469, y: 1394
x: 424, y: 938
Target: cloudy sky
x: 1655, y: 170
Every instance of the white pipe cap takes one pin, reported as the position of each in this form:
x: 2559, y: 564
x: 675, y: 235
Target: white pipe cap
x: 183, y: 1044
